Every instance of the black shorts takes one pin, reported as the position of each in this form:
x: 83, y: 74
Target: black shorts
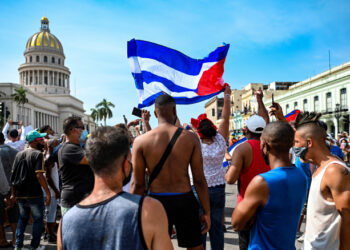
x: 183, y: 212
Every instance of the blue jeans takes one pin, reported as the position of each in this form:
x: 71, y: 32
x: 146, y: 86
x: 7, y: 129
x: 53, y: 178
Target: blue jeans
x: 36, y: 206
x: 217, y: 209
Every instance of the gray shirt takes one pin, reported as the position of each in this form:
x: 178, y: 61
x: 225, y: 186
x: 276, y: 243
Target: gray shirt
x: 7, y: 157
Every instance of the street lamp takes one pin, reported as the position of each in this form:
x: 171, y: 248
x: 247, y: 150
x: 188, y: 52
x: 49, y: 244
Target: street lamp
x: 337, y: 114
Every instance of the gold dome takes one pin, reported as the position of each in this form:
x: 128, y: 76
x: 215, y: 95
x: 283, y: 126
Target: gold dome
x: 44, y: 39
x: 44, y: 19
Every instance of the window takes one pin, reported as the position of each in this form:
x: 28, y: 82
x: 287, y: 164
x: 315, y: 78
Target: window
x: 59, y: 61
x: 30, y: 59
x: 45, y: 59
x: 37, y: 59
x: 295, y: 105
x: 31, y: 80
x: 45, y: 80
x: 343, y: 99
x: 316, y: 104
x: 305, y: 107
x: 53, y: 60
x: 213, y: 112
x: 329, y: 102
x: 287, y: 108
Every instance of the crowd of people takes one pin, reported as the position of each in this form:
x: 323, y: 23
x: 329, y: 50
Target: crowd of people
x: 115, y: 190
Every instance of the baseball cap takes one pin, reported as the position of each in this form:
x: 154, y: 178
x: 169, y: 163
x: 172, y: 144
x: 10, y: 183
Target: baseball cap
x: 32, y: 135
x: 256, y: 124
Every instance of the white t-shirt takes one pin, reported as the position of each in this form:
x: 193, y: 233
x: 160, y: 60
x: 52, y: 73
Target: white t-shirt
x: 213, y: 155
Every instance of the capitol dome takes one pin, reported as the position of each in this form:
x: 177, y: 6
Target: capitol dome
x: 44, y: 71
x: 44, y: 39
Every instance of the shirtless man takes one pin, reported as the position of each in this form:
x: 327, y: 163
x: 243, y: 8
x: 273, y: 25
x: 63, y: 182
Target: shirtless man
x: 172, y: 186
x: 328, y: 221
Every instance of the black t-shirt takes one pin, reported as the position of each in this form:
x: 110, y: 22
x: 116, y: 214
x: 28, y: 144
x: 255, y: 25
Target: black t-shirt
x: 77, y: 179
x: 33, y: 160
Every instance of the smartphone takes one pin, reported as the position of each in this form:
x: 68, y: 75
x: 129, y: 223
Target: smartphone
x: 14, y: 123
x: 137, y: 112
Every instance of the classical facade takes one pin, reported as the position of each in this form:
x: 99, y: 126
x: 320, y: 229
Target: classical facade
x: 326, y: 92
x: 46, y: 79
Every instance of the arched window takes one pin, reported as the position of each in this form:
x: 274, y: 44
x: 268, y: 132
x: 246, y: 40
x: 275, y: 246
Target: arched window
x: 30, y: 59
x: 53, y: 60
x: 316, y: 104
x: 329, y: 102
x: 287, y: 108
x: 45, y: 59
x: 305, y: 107
x: 37, y: 58
x: 343, y: 99
x: 59, y: 61
x: 295, y: 105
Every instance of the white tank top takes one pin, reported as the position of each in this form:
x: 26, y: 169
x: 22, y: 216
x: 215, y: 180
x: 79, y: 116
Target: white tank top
x: 323, y: 220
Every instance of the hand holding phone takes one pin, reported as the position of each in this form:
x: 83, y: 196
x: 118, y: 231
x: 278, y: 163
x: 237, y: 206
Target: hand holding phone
x: 137, y: 112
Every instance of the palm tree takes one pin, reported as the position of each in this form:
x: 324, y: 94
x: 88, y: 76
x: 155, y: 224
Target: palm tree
x: 104, y: 110
x: 94, y: 115
x: 20, y: 96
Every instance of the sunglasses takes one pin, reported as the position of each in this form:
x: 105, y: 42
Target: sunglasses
x: 82, y: 127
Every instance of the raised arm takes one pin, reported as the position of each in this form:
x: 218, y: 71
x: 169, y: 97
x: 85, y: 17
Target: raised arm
x: 139, y: 167
x: 262, y: 111
x: 6, y: 127
x: 225, y: 121
x: 338, y: 181
x: 256, y: 195
x: 145, y: 120
x: 200, y: 182
x: 276, y: 110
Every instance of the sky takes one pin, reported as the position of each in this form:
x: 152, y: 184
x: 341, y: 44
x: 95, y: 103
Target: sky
x: 269, y: 41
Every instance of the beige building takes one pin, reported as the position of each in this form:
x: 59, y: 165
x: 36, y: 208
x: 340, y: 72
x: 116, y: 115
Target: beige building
x: 46, y: 79
x: 326, y: 93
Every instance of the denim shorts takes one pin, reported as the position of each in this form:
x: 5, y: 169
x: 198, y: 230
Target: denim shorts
x: 50, y: 211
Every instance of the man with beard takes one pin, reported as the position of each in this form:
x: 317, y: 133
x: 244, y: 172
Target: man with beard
x: 76, y: 175
x: 27, y: 180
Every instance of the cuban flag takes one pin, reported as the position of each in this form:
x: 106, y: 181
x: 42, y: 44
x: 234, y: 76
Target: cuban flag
x: 232, y: 148
x: 157, y: 69
x: 292, y: 115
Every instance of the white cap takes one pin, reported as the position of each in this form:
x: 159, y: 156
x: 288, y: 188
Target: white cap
x: 256, y: 124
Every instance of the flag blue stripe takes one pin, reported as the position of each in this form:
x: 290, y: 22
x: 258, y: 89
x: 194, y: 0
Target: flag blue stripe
x: 173, y: 58
x: 179, y: 100
x: 149, y: 77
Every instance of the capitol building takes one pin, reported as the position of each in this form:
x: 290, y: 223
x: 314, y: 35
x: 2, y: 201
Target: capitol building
x: 47, y: 81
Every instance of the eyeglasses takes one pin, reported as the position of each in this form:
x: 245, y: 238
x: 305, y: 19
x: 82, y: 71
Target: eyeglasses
x: 82, y: 127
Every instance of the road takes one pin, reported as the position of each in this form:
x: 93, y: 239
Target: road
x: 231, y: 237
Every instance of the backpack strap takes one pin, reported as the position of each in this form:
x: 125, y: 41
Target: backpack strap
x: 165, y: 155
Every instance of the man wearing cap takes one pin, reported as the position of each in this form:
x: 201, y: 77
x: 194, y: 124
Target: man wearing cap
x: 27, y: 180
x: 247, y: 159
x: 11, y: 137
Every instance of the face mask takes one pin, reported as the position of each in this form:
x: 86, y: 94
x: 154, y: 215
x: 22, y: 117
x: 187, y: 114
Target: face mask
x: 40, y: 147
x: 265, y: 156
x: 301, y: 151
x: 127, y: 177
x: 83, y: 137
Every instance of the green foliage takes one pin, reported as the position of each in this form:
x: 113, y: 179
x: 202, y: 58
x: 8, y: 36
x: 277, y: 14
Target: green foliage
x: 103, y: 110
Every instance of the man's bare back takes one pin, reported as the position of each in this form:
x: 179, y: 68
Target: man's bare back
x: 173, y: 178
